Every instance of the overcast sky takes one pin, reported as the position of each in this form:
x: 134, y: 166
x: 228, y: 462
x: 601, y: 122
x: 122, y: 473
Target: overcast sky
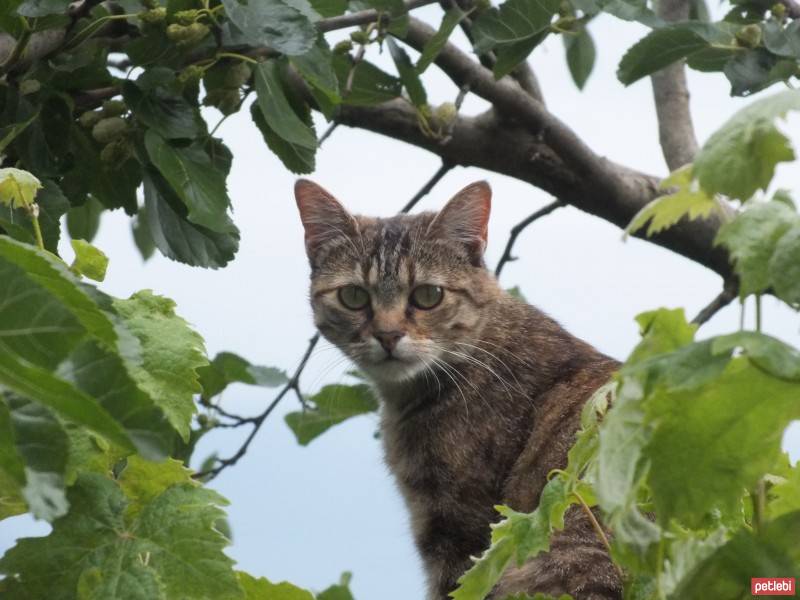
x: 307, y: 514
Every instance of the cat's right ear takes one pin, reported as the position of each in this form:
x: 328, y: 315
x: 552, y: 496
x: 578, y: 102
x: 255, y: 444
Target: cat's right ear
x: 322, y: 216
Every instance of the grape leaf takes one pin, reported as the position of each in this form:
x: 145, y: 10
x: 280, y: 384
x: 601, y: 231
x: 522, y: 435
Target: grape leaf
x: 167, y: 548
x: 227, y: 368
x: 751, y: 239
x: 665, y: 211
x: 784, y: 266
x: 740, y: 157
x: 711, y: 444
x: 518, y: 535
x: 165, y: 362
x: 262, y: 589
x: 42, y: 445
x: 333, y: 404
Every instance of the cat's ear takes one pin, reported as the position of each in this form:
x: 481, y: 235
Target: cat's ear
x: 466, y: 218
x: 322, y: 216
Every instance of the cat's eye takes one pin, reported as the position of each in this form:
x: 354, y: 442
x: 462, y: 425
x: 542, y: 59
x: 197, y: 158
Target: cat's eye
x: 427, y: 296
x: 353, y: 297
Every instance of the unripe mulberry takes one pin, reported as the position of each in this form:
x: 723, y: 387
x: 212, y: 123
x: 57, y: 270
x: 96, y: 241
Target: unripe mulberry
x: 107, y: 130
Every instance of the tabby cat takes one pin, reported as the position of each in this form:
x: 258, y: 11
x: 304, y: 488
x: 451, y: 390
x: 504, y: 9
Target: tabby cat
x: 481, y: 393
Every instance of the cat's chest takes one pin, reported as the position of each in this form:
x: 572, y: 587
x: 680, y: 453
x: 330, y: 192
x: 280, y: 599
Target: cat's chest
x: 444, y: 454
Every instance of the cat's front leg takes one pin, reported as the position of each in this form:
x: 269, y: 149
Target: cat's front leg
x: 577, y: 564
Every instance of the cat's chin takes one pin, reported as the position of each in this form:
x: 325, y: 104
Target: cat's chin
x: 393, y: 371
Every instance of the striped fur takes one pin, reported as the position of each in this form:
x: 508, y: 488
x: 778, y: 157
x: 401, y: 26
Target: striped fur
x: 484, y: 396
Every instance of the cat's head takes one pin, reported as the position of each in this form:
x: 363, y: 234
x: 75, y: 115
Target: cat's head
x: 403, y: 295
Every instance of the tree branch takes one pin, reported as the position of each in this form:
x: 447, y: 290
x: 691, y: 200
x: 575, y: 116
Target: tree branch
x: 544, y: 152
x: 671, y: 94
x: 519, y: 228
x: 725, y: 297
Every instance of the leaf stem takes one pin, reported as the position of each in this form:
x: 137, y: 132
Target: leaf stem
x: 238, y: 56
x: 758, y: 313
x: 33, y: 213
x: 598, y: 529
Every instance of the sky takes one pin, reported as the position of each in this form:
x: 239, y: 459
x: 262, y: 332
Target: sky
x: 306, y: 514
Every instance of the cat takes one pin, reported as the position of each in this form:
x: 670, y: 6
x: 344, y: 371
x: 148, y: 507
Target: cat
x: 480, y: 392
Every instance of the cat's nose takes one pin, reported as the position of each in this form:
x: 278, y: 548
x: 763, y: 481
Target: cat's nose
x: 389, y: 339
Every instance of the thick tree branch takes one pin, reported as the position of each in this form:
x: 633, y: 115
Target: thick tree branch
x: 671, y: 94
x: 502, y: 146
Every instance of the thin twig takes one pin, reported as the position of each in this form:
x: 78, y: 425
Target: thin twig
x: 362, y: 17
x: 725, y: 297
x: 425, y: 189
x: 519, y: 228
x: 327, y: 133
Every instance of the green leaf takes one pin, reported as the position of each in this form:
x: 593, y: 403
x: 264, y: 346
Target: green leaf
x: 316, y: 67
x: 741, y: 156
x: 165, y: 112
x: 12, y: 469
x: 510, y: 56
x: 285, y: 26
x: 227, y: 368
x: 765, y: 352
x: 754, y: 70
x: 83, y: 222
x: 103, y: 375
x: 199, y: 185
x: 772, y: 552
x: 580, y: 55
x: 517, y: 535
x: 298, y: 159
x: 277, y: 111
x: 42, y: 445
x: 514, y: 21
x: 516, y: 292
x: 18, y: 188
x: 89, y: 261
x: 632, y: 10
x: 784, y: 266
x: 52, y: 206
x: 333, y: 404
x: 42, y: 386
x: 141, y: 235
x: 166, y: 549
x: 665, y: 211
x: 40, y: 316
x: 751, y: 239
x: 711, y: 444
x: 340, y: 591
x: 166, y: 360
x: 434, y: 45
x: 177, y: 238
x: 662, y: 331
x: 263, y: 589
x: 408, y: 74
x: 666, y: 45
x: 784, y: 496
x: 329, y: 8
x: 783, y: 41
x: 370, y: 85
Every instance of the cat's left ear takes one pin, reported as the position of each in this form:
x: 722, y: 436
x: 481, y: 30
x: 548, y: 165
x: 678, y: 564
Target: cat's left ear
x: 322, y: 216
x: 466, y: 218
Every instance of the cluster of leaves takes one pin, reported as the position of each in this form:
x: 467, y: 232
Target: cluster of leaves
x: 96, y: 393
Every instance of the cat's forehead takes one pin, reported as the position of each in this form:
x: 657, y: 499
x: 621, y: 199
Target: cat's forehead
x: 391, y: 254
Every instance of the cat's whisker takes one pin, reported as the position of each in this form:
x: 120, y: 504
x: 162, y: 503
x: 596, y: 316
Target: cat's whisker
x: 496, y: 359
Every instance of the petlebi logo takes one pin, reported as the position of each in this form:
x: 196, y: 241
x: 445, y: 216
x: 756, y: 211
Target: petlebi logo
x: 772, y: 586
